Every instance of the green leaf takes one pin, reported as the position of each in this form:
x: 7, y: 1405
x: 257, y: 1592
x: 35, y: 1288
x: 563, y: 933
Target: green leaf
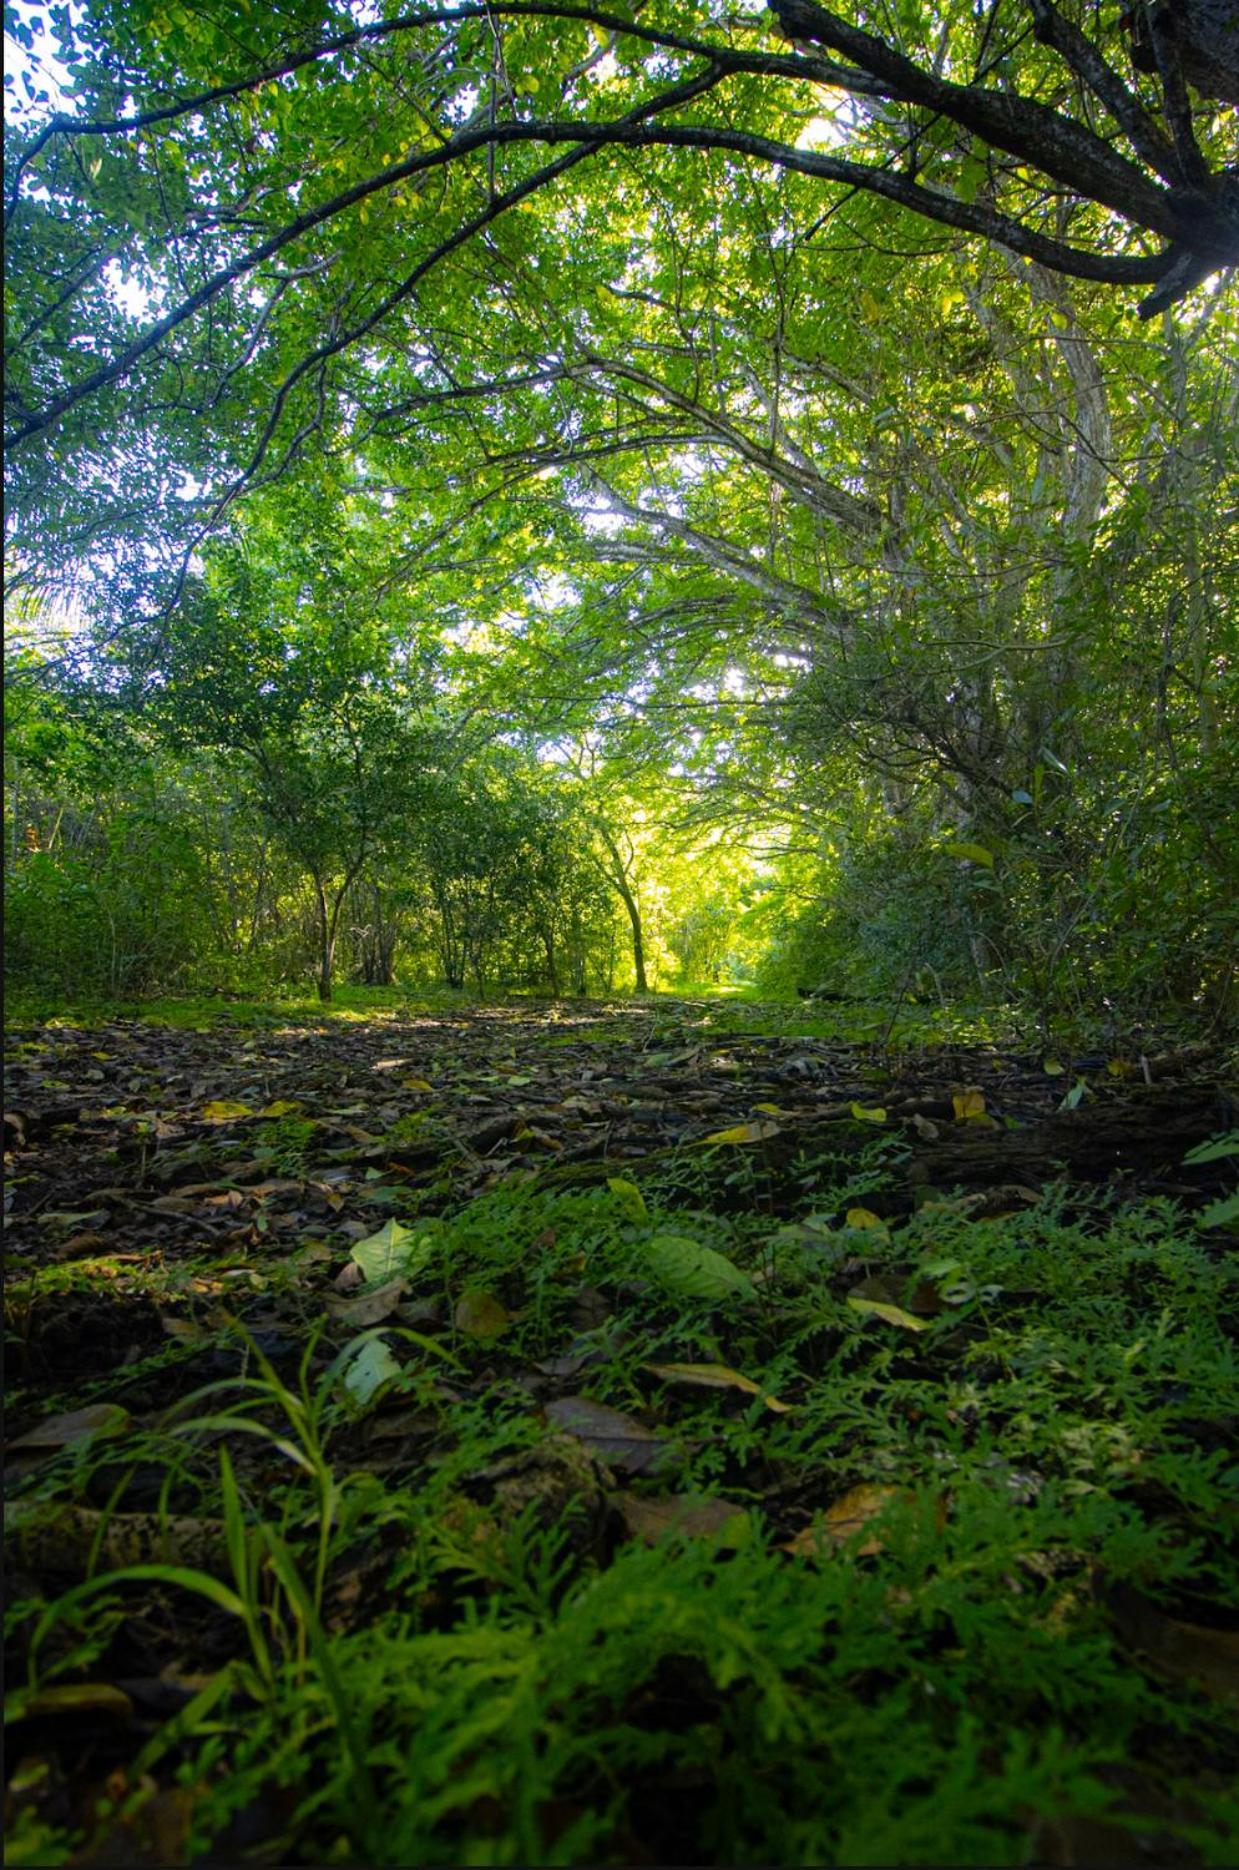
x: 1220, y: 1213
x: 971, y: 853
x: 893, y: 1314
x: 691, y: 1271
x: 481, y: 1315
x: 373, y: 1366
x: 393, y: 1251
x: 629, y: 1199
x: 1216, y: 1149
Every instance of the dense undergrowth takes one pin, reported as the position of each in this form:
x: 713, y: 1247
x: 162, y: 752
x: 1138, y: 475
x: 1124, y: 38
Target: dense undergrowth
x: 663, y: 1522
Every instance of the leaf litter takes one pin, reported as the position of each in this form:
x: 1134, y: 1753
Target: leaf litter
x: 469, y: 1261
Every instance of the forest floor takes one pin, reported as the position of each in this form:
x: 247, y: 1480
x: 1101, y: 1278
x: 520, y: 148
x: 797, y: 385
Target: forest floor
x: 657, y: 1433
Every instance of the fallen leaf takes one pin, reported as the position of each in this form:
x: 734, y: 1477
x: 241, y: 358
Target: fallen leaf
x: 61, y: 1431
x: 715, y: 1377
x: 893, y: 1314
x: 394, y: 1249
x: 1052, y: 1068
x: 840, y: 1522
x: 868, y: 1114
x: 372, y: 1367
x: 615, y: 1438
x: 968, y: 1104
x: 224, y: 1109
x: 480, y: 1315
x: 892, y: 1288
x: 741, y: 1133
x: 866, y: 1218
x: 369, y: 1308
x: 70, y: 1698
x: 692, y: 1271
x: 282, y: 1107
x: 629, y: 1196
x: 650, y: 1517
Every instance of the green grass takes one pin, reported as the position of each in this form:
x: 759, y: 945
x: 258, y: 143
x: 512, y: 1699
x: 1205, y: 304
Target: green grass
x: 446, y: 1662
x: 709, y: 1011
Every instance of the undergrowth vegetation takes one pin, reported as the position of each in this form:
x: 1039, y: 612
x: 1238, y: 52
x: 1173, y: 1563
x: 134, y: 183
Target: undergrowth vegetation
x: 637, y: 1535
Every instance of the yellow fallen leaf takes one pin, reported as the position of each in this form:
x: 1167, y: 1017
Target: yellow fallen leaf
x: 876, y: 1114
x: 968, y: 1104
x: 847, y: 1516
x: 741, y: 1133
x: 772, y: 1110
x: 224, y: 1109
x: 282, y: 1107
x: 416, y: 1084
x: 866, y: 1218
x: 893, y: 1314
x: 1052, y: 1068
x: 715, y: 1377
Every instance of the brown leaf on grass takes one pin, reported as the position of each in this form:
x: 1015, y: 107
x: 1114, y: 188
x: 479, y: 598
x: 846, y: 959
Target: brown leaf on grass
x: 850, y: 1514
x: 60, y: 1431
x: 615, y: 1438
x: 371, y: 1307
x: 701, y: 1516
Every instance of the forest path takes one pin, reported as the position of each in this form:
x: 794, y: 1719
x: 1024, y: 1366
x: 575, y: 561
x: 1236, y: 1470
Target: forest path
x: 612, y: 1275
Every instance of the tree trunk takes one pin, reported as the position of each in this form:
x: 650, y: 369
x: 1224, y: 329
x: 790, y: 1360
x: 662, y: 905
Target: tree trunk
x: 638, y: 940
x: 326, y: 942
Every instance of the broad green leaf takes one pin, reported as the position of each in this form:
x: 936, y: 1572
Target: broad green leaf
x: 373, y: 1366
x: 971, y: 853
x: 1217, y: 1149
x: 1220, y: 1213
x: 394, y: 1250
x: 689, y: 1270
x: 630, y: 1200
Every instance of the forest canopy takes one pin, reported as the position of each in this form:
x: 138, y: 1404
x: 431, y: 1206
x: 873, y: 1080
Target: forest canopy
x: 580, y: 499
x: 621, y: 917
